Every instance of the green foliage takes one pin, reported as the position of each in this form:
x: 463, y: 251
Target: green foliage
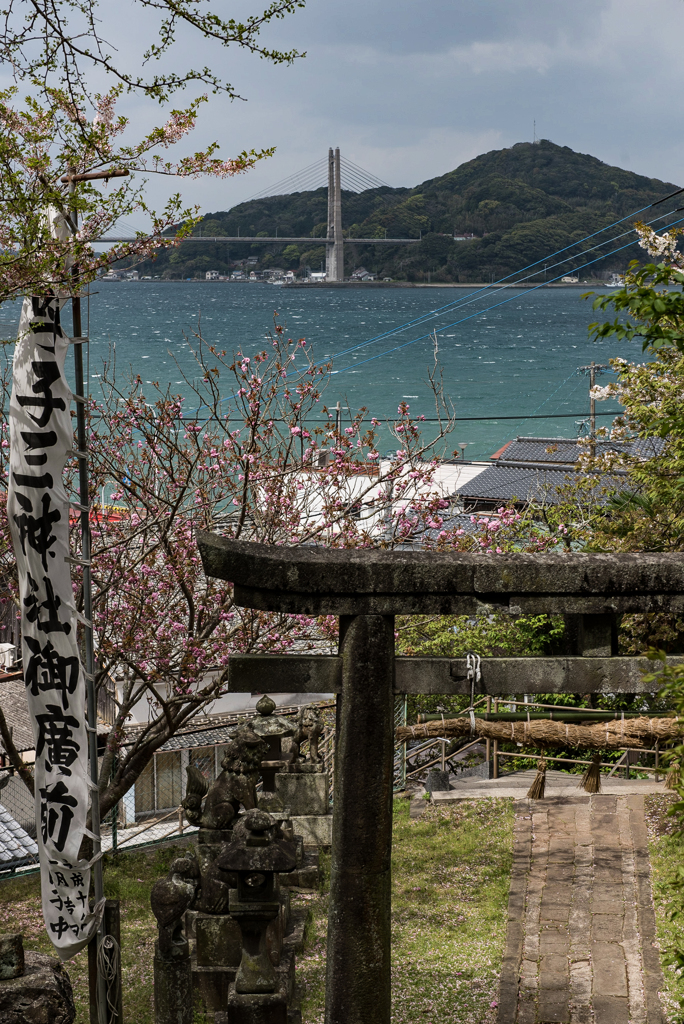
x: 650, y: 514
x: 498, y: 635
x: 666, y: 849
x: 653, y: 297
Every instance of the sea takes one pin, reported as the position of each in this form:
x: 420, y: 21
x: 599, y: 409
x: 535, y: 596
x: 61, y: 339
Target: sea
x: 510, y: 360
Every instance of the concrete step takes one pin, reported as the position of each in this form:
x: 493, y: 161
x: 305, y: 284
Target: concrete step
x: 516, y: 785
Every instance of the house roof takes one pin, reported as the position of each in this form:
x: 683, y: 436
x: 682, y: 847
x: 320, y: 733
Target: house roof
x: 504, y: 483
x: 15, y: 708
x: 16, y: 845
x: 566, y: 451
x: 208, y: 729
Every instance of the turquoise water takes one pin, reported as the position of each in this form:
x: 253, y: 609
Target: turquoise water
x: 515, y: 360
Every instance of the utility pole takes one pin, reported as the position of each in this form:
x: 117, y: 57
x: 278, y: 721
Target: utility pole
x: 98, y: 989
x: 593, y: 370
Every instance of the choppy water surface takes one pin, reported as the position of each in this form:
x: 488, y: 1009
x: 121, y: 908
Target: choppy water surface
x: 514, y: 360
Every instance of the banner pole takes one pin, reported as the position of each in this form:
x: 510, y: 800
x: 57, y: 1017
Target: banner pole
x: 98, y: 884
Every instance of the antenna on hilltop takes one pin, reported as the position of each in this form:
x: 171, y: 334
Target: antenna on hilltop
x: 534, y: 132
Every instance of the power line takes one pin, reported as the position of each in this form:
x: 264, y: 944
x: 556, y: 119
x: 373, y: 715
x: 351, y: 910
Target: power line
x: 423, y: 419
x: 473, y: 297
x: 479, y: 312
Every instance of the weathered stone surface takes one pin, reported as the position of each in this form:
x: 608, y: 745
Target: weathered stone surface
x: 41, y: 995
x: 332, y: 581
x: 291, y: 673
x: 586, y: 955
x: 219, y: 943
x: 304, y: 794
x: 315, y: 829
x: 437, y: 781
x: 172, y: 990
x: 11, y: 956
x: 358, y: 957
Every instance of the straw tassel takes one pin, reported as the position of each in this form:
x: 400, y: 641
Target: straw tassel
x: 591, y: 780
x: 536, y: 790
x: 673, y: 779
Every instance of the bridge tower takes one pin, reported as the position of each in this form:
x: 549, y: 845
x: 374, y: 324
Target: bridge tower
x: 334, y: 253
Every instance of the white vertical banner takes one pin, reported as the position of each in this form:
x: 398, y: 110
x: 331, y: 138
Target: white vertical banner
x: 41, y: 436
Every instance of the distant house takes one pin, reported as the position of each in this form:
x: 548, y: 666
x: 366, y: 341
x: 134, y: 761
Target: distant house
x: 464, y: 236
x: 132, y: 275
x: 212, y: 275
x: 316, y: 276
x: 530, y: 471
x: 569, y: 280
x: 237, y: 275
x: 362, y: 275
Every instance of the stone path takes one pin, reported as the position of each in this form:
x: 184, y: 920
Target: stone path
x: 580, y: 945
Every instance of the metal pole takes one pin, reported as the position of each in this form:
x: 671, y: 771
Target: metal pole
x: 592, y: 400
x: 98, y: 886
x: 495, y: 762
x: 488, y: 742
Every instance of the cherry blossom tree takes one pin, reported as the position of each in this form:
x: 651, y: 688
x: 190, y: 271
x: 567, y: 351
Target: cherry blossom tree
x: 43, y: 144
x: 262, y: 460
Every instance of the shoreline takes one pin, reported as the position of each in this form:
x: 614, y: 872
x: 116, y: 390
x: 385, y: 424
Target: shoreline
x: 376, y: 284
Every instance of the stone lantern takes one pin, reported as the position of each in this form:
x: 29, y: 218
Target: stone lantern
x: 255, y: 856
x: 272, y: 729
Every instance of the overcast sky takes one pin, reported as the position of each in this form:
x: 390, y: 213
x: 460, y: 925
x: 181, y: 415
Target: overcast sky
x: 409, y: 89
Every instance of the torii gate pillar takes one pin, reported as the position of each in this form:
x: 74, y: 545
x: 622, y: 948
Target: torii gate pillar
x: 366, y: 588
x: 358, y: 982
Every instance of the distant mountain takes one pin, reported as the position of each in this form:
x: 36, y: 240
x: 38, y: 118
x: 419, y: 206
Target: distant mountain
x: 521, y: 204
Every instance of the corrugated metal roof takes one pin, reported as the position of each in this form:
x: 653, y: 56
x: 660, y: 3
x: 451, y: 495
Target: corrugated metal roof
x: 16, y: 846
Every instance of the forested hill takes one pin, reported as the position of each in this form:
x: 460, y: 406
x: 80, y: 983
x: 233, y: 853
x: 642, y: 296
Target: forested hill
x: 521, y: 203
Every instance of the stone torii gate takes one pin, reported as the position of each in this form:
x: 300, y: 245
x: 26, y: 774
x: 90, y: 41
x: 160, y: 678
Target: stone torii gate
x: 366, y: 589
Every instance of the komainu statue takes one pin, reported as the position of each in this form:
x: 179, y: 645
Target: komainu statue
x: 310, y: 726
x: 235, y: 785
x: 170, y: 898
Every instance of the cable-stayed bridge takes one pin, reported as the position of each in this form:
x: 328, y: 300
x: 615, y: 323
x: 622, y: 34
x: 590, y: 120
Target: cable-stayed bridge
x: 339, y: 174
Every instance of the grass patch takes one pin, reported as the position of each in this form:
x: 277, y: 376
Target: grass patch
x: 128, y: 877
x: 451, y: 871
x: 450, y: 890
x: 666, y: 850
